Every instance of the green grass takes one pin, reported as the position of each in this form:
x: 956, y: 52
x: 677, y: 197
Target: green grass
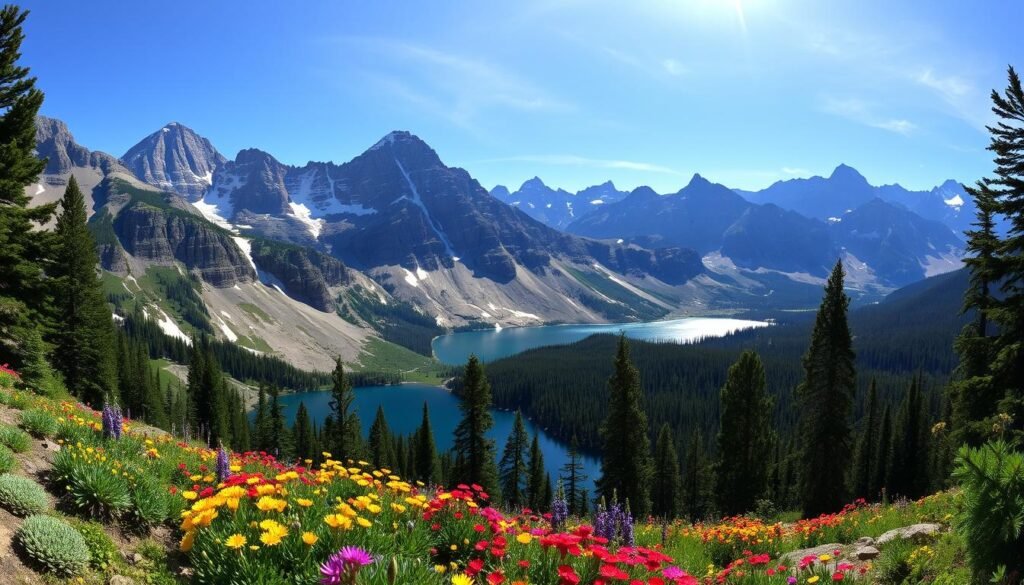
x: 255, y: 312
x: 382, y: 356
x: 254, y: 342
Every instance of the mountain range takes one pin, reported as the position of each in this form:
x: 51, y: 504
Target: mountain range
x: 326, y: 259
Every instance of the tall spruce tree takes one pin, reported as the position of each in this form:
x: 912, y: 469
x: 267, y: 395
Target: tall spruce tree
x: 85, y: 342
x: 824, y: 401
x: 867, y: 447
x: 973, y: 393
x: 382, y: 449
x: 428, y: 467
x: 626, y: 467
x: 474, y: 452
x: 665, y: 491
x: 345, y: 428
x: 239, y: 423
x: 573, y: 478
x: 698, y: 480
x: 279, y: 437
x: 883, y: 456
x: 745, y: 436
x: 512, y: 468
x: 24, y: 250
x: 908, y: 470
x: 303, y: 433
x: 535, y: 486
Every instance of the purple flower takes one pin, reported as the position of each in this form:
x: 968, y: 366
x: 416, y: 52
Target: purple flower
x: 112, y: 421
x: 223, y: 464
x: 673, y: 572
x: 343, y: 565
x: 559, y: 510
x: 627, y: 529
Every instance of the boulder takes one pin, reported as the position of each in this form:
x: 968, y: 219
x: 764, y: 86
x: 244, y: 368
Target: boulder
x: 915, y: 532
x: 865, y: 553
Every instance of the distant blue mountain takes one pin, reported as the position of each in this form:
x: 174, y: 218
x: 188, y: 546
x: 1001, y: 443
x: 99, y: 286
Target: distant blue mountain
x: 557, y: 207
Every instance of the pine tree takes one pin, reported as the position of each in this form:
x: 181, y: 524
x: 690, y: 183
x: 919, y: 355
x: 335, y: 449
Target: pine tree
x: 824, y: 401
x: 474, y: 451
x: 908, y: 470
x: 279, y: 437
x: 84, y: 343
x: 626, y: 466
x: 24, y: 250
x: 381, y: 448
x: 574, y: 479
x: 427, y: 464
x: 867, y: 448
x: 973, y: 393
x: 239, y: 424
x: 545, y: 503
x: 745, y: 436
x: 303, y: 432
x: 260, y: 435
x: 665, y: 492
x: 697, y: 480
x: 883, y: 456
x: 512, y: 468
x: 535, y: 487
x: 347, y: 434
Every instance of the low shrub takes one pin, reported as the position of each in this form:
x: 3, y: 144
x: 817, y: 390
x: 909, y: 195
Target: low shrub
x: 894, y: 566
x: 150, y: 504
x: 38, y: 423
x: 16, y: 440
x: 6, y: 459
x: 102, y: 551
x: 54, y: 545
x: 71, y: 432
x: 91, y: 488
x: 22, y: 496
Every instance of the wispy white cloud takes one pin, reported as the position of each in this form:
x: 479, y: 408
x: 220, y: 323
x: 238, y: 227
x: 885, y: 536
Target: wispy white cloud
x: 457, y: 86
x: 582, y: 161
x: 796, y: 171
x: 673, y: 67
x: 859, y: 111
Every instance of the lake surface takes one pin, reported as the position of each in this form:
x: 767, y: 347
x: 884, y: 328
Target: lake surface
x: 403, y: 408
x: 493, y: 344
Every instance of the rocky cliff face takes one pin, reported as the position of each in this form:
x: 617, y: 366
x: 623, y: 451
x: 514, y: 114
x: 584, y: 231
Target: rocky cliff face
x: 175, y: 159
x: 55, y: 143
x: 305, y: 274
x: 163, y: 235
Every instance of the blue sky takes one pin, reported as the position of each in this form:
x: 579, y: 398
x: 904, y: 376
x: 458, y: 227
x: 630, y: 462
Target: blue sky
x: 745, y: 92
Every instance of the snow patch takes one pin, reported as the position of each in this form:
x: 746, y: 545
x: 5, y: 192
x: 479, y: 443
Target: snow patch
x: 246, y: 247
x: 417, y: 201
x: 956, y: 202
x: 410, y: 278
x: 227, y: 330
x: 421, y: 274
x: 597, y: 202
x: 619, y: 241
x: 169, y: 327
x: 835, y: 219
x: 215, y: 213
x: 118, y: 318
x: 39, y: 189
x: 302, y: 213
x: 548, y: 206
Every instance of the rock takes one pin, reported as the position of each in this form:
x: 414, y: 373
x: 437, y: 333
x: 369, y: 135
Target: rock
x: 175, y: 158
x: 51, y: 446
x: 865, y: 553
x: 865, y: 541
x: 914, y: 532
x: 186, y: 572
x: 121, y: 580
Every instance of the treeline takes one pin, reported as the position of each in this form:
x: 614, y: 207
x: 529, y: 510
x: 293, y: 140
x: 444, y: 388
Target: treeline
x: 398, y: 322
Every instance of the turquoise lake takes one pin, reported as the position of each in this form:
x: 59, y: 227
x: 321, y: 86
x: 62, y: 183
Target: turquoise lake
x: 493, y: 344
x: 403, y: 407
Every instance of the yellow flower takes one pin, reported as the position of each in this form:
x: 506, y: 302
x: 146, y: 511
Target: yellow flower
x: 235, y: 541
x: 186, y: 541
x: 364, y: 522
x: 269, y: 504
x: 304, y: 502
x: 309, y: 538
x: 189, y: 495
x: 462, y: 579
x: 813, y: 579
x: 524, y: 538
x: 273, y: 536
x: 825, y: 558
x: 440, y: 569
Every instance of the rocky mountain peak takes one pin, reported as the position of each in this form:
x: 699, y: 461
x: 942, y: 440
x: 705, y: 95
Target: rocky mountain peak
x: 848, y: 174
x: 407, y: 148
x: 175, y: 158
x: 55, y: 143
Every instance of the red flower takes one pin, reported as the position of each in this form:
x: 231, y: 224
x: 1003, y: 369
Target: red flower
x: 567, y: 575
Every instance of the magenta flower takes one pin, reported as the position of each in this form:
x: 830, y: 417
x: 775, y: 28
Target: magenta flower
x: 342, y: 566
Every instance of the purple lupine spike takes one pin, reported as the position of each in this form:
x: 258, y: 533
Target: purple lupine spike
x: 559, y: 510
x: 112, y: 421
x: 602, y: 519
x: 223, y: 464
x: 628, y: 539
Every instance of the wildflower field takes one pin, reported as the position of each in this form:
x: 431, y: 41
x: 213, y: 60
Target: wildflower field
x: 247, y: 518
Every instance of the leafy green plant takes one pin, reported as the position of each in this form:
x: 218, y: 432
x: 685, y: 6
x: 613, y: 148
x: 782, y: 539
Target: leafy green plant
x: 71, y: 432
x: 149, y: 503
x: 15, y: 439
x: 893, y: 567
x: 54, y: 545
x: 38, y: 423
x: 91, y: 488
x: 22, y: 496
x: 102, y: 550
x: 992, y: 518
x: 6, y: 459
